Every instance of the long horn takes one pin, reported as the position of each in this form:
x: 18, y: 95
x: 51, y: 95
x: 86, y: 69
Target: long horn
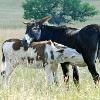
x: 26, y: 22
x: 29, y: 22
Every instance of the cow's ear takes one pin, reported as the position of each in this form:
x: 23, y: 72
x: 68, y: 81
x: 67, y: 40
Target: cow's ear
x: 60, y: 50
x: 43, y: 20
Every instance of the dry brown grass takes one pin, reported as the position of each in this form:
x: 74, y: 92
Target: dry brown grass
x: 11, y: 33
x: 30, y: 84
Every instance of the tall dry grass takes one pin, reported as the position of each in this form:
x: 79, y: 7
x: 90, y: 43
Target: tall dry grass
x: 30, y: 84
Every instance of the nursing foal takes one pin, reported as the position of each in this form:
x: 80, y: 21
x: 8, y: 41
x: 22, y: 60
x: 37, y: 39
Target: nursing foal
x: 44, y: 54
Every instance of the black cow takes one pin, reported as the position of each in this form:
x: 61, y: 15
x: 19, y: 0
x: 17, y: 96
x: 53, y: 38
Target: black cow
x: 86, y: 41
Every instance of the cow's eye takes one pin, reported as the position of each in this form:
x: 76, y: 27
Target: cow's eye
x: 34, y: 28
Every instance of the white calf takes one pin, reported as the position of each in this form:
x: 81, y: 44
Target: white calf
x: 45, y: 54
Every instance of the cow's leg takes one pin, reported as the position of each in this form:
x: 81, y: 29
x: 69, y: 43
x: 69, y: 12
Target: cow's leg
x: 54, y: 67
x: 65, y: 69
x: 90, y: 61
x: 92, y: 69
x: 49, y: 74
x: 75, y: 76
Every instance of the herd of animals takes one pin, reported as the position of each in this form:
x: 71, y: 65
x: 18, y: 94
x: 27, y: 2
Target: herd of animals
x: 45, y: 46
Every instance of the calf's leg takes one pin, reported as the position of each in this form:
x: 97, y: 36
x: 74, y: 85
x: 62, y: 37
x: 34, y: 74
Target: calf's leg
x: 54, y: 68
x: 49, y: 74
x: 6, y: 70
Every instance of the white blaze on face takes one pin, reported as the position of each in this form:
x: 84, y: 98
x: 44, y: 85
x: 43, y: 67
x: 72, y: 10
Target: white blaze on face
x: 27, y: 38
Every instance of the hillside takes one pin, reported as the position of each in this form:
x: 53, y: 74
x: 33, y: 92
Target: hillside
x: 11, y: 14
x: 95, y: 19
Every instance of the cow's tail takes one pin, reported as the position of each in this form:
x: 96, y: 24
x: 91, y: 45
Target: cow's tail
x: 99, y: 33
x: 98, y: 52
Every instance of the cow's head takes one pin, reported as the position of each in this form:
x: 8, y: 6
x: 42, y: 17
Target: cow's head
x: 33, y: 29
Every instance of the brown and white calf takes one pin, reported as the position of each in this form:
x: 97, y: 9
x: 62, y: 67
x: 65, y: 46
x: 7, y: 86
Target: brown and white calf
x: 45, y: 54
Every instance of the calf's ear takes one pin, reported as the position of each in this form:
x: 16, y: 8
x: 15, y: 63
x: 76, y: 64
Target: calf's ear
x: 59, y: 45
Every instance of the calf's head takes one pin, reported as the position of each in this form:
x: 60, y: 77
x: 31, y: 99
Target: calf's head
x: 65, y: 54
x: 55, y: 52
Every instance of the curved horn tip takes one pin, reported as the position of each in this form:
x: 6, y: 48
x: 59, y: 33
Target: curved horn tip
x: 47, y: 17
x: 26, y: 22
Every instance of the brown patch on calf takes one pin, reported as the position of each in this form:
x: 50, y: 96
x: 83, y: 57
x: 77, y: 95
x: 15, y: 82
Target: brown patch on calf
x: 40, y: 48
x: 17, y: 44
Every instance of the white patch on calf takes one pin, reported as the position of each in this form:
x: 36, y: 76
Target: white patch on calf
x: 56, y: 54
x: 15, y: 56
x: 72, y: 56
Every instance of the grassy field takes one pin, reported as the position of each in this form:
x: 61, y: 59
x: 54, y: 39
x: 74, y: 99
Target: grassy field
x: 30, y: 84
